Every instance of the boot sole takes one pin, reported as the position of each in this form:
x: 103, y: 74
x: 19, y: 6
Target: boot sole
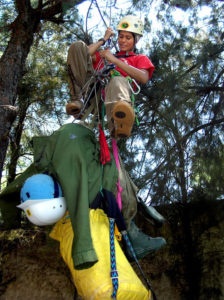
x: 123, y: 118
x: 73, y: 109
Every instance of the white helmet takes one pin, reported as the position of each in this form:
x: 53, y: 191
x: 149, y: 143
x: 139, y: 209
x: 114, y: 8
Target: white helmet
x: 132, y: 24
x: 41, y: 200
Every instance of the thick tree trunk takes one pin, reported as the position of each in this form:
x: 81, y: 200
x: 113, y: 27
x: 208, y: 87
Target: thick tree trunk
x: 12, y: 68
x: 12, y: 63
x: 15, y: 139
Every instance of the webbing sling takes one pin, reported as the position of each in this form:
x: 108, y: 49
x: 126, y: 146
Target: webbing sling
x: 106, y: 201
x: 113, y: 266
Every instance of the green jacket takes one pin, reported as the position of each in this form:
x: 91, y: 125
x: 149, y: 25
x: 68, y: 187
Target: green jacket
x: 72, y: 155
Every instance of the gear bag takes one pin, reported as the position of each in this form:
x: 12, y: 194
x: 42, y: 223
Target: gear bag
x: 95, y: 282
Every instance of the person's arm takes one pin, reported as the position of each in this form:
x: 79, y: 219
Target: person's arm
x: 95, y: 46
x: 141, y: 75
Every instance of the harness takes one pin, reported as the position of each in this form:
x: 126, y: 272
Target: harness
x: 100, y: 79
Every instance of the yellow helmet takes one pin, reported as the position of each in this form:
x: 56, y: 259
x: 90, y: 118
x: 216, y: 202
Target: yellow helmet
x: 132, y: 24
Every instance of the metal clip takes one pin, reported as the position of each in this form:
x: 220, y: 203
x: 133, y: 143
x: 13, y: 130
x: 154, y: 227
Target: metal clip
x: 137, y: 86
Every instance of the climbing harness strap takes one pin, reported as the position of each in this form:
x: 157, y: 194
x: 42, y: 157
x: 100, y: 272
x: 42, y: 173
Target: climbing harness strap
x: 114, y: 272
x: 106, y: 201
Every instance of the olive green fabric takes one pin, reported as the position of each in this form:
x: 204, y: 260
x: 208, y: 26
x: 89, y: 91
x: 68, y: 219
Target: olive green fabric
x: 128, y: 195
x: 14, y: 187
x: 10, y: 198
x: 72, y: 155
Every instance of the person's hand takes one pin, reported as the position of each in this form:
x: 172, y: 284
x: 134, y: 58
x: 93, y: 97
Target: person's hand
x: 108, y: 33
x: 107, y: 55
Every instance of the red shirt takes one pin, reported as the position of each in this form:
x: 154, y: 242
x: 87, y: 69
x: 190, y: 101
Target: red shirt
x: 138, y: 61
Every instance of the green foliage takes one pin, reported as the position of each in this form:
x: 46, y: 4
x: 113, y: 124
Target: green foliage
x: 177, y: 149
x: 43, y: 91
x: 7, y: 15
x: 180, y: 110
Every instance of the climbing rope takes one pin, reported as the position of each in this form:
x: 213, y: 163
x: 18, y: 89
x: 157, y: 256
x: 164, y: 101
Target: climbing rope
x: 101, y: 15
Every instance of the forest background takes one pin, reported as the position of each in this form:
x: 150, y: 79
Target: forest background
x: 176, y: 152
x: 175, y: 155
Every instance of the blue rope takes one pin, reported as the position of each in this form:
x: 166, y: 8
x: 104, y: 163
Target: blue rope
x: 114, y: 272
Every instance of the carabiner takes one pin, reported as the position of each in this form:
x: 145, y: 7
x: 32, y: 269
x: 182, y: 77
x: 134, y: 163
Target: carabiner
x: 137, y: 86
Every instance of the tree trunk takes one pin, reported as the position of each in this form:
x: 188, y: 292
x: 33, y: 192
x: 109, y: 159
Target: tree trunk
x: 12, y: 62
x: 181, y: 172
x: 12, y: 68
x: 15, y: 139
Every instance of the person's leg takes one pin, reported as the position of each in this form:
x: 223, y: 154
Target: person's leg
x: 141, y: 242
x: 80, y: 70
x: 150, y: 213
x: 120, y: 114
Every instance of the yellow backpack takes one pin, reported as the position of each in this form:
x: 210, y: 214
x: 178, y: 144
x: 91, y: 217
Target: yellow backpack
x: 95, y: 283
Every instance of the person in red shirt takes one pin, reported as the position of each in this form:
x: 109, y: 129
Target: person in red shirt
x: 84, y: 61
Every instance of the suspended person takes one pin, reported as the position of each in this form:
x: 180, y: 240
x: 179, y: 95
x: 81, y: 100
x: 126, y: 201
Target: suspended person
x: 83, y: 60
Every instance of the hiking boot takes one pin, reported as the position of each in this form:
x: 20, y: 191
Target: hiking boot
x: 142, y: 243
x: 73, y: 108
x: 123, y: 118
x: 150, y: 213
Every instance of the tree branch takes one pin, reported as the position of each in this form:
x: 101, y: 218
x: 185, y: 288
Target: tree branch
x: 198, y: 64
x: 40, y: 4
x: 212, y: 123
x: 206, y: 89
x: 219, y: 76
x: 50, y: 12
x: 22, y: 5
x: 157, y: 170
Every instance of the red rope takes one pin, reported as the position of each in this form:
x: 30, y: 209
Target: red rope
x: 104, y: 150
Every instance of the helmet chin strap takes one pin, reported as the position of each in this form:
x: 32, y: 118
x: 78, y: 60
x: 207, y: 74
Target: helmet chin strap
x: 137, y: 38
